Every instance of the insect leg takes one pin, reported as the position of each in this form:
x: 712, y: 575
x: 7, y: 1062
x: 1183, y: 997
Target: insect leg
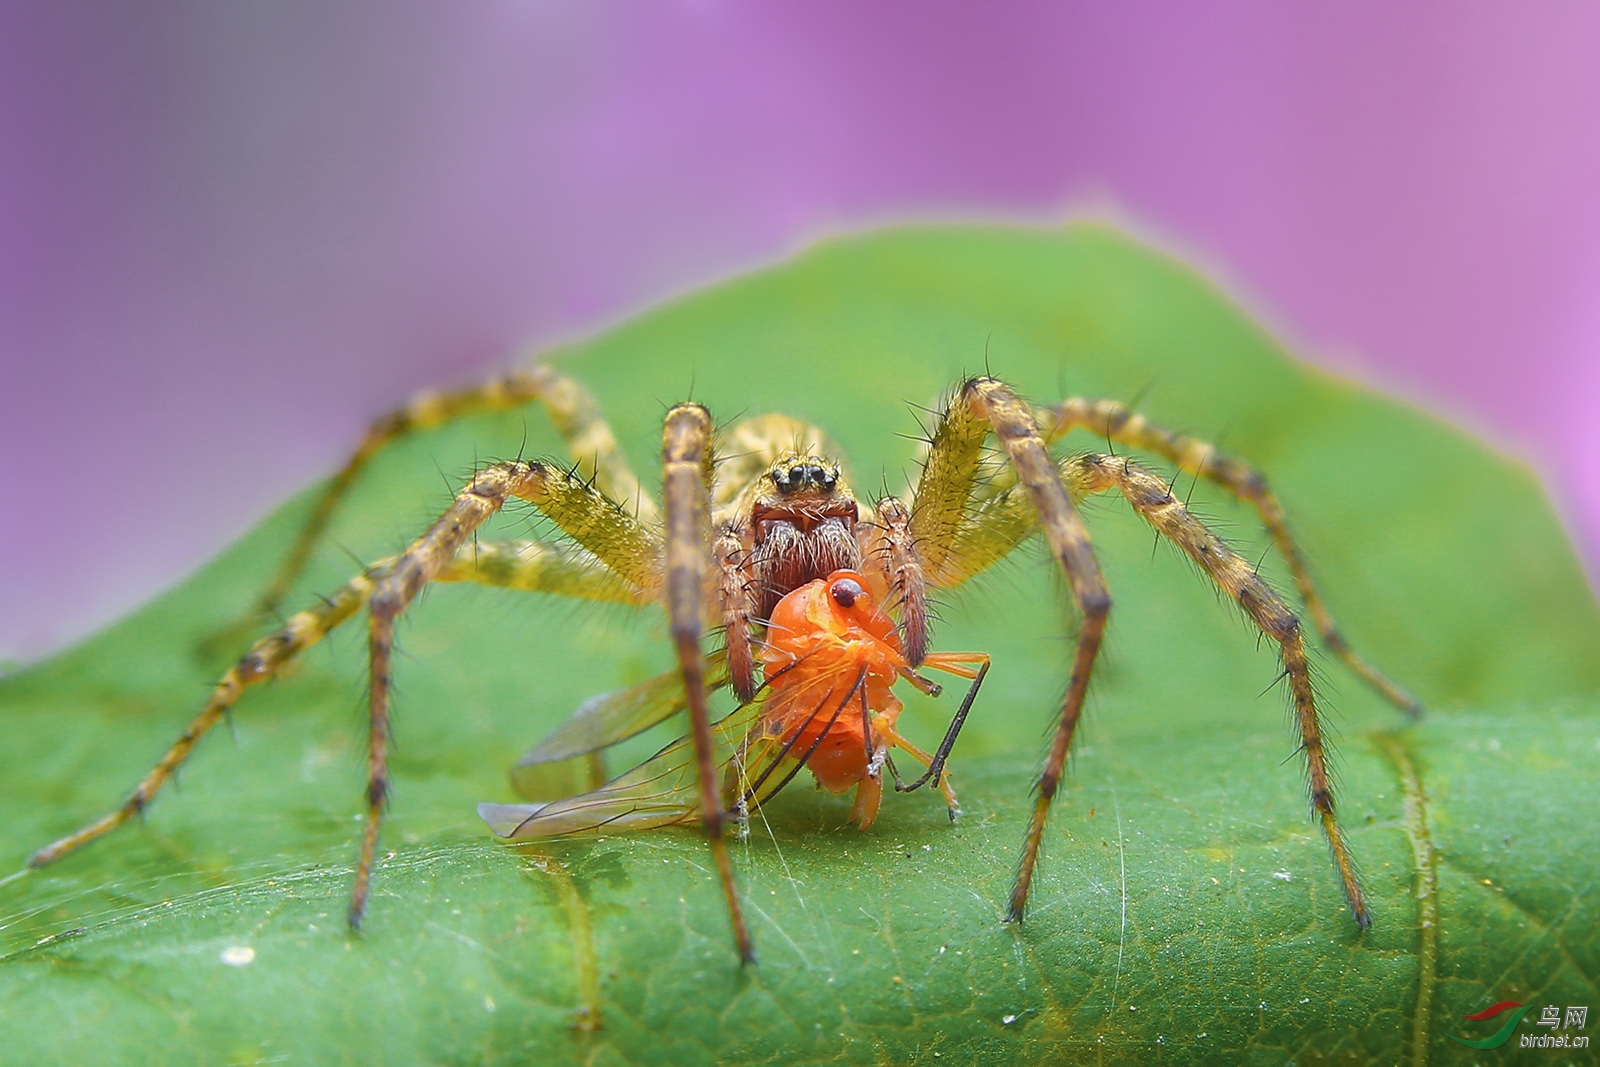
x: 945, y: 789
x: 265, y: 659
x: 688, y: 465
x: 869, y: 791
x: 1112, y: 421
x: 955, y: 663
x: 1234, y: 575
x: 571, y: 408
x: 944, y: 493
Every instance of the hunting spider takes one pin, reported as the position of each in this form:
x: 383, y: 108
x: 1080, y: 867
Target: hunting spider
x: 735, y: 534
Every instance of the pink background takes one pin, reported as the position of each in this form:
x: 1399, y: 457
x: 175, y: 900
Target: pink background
x: 232, y: 233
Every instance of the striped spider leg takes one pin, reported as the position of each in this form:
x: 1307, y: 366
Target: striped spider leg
x: 610, y: 554
x: 1111, y: 421
x: 959, y: 523
x: 569, y: 406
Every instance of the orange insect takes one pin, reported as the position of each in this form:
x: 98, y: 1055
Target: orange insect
x: 831, y: 656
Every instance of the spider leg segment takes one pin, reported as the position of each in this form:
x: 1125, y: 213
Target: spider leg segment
x: 600, y: 526
x: 614, y: 557
x: 576, y: 415
x: 557, y: 567
x: 686, y: 490
x: 1152, y: 499
x: 1112, y: 421
x: 948, y: 503
x: 896, y: 555
x: 264, y: 660
x: 736, y: 591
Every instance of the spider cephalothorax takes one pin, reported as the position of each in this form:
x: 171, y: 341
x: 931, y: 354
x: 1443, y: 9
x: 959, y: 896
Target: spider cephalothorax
x: 756, y: 514
x: 794, y: 523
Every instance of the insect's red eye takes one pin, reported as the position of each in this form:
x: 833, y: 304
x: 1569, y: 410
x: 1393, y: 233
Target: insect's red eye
x: 846, y: 591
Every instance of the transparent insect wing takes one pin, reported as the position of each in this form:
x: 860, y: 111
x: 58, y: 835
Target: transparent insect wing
x: 609, y: 718
x: 661, y: 791
x: 664, y: 790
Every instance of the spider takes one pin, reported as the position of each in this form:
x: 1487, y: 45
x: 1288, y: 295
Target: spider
x: 748, y: 518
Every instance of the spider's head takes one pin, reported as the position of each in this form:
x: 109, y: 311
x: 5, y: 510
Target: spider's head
x: 798, y: 474
x: 801, y: 489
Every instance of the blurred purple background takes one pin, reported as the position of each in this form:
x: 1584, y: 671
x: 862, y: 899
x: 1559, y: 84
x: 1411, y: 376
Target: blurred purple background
x: 232, y: 233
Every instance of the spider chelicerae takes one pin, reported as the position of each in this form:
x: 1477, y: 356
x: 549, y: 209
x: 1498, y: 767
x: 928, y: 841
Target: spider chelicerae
x: 757, y: 513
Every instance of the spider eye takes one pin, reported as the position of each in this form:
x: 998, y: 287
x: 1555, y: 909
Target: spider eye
x: 827, y: 478
x: 846, y: 591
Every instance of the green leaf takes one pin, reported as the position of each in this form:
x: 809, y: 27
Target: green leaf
x: 1186, y: 908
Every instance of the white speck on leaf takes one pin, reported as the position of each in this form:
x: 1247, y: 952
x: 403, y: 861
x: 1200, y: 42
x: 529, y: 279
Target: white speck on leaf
x: 1283, y: 876
x: 1008, y: 1019
x: 238, y: 955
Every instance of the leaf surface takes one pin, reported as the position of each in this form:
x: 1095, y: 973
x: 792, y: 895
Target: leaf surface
x: 1186, y: 909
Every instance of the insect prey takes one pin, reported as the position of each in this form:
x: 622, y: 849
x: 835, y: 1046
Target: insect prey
x: 830, y: 658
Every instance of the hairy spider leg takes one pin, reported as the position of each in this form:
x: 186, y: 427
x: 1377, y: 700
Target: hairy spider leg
x: 531, y: 566
x: 1069, y: 543
x: 737, y: 601
x: 598, y: 524
x: 1110, y: 420
x: 1152, y: 498
x: 575, y: 413
x: 264, y: 660
x: 893, y: 552
x: 688, y: 473
x: 615, y: 558
x: 557, y: 567
x: 941, y: 517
